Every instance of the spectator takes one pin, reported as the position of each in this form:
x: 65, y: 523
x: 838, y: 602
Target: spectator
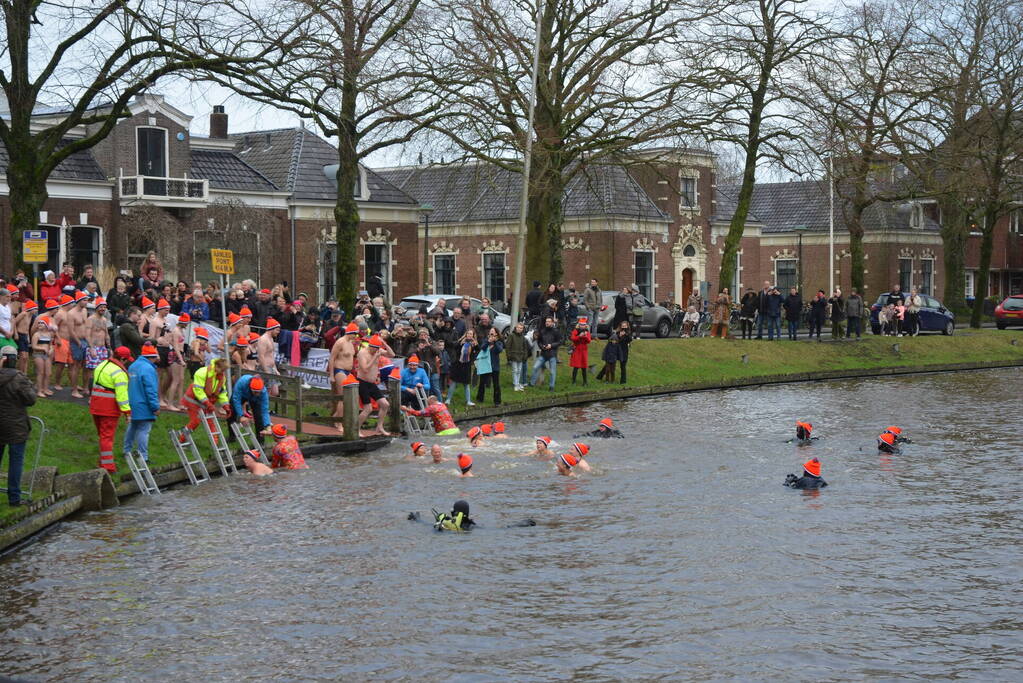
x: 593, y: 299
x: 818, y: 313
x: 548, y: 340
x: 774, y: 304
x: 144, y: 399
x: 689, y: 323
x: 413, y: 377
x: 49, y: 288
x: 262, y: 308
x: 762, y: 308
x: 581, y: 338
x: 837, y: 304
x: 610, y: 355
x: 118, y: 298
x: 720, y: 316
x: 236, y: 300
x: 128, y: 333
x: 196, y: 307
x: 696, y: 301
x: 748, y: 312
x: 517, y: 352
x: 213, y: 303
x: 67, y: 277
x: 463, y: 356
x: 16, y: 395
x: 534, y: 300
x: 625, y: 339
x: 88, y: 276
x: 488, y: 366
x: 375, y: 286
x: 793, y: 309
x: 896, y: 297
x: 150, y: 273
x: 854, y: 313
x: 440, y: 308
x: 621, y: 308
x: 635, y: 308
x: 458, y: 324
x: 913, y: 305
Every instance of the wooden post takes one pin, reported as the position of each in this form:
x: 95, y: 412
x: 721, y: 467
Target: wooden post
x: 298, y: 406
x: 394, y: 397
x: 350, y: 420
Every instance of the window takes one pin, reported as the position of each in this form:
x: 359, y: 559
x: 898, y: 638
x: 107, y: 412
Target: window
x: 687, y: 192
x: 969, y: 283
x: 84, y: 248
x: 785, y: 273
x: 916, y: 216
x: 378, y: 262
x: 443, y: 273
x: 152, y: 160
x: 926, y: 276
x: 736, y: 274
x: 1016, y: 221
x: 689, y: 251
x: 899, y: 172
x: 645, y: 273
x: 328, y: 271
x: 906, y: 274
x: 493, y: 276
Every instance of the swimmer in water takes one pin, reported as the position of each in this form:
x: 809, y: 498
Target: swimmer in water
x: 886, y: 443
x: 418, y: 450
x: 499, y: 431
x: 897, y: 433
x: 437, y: 454
x: 580, y: 451
x: 465, y: 464
x: 804, y: 432
x: 605, y: 430
x: 488, y: 430
x: 458, y: 519
x: 252, y: 463
x: 475, y: 436
x: 543, y: 448
x: 565, y: 462
x: 443, y: 423
x: 811, y: 478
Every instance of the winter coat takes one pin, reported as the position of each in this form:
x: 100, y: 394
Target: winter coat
x: 549, y: 335
x: 495, y: 353
x: 774, y: 305
x: 517, y: 347
x: 580, y: 349
x: 197, y: 311
x: 118, y: 302
x: 624, y: 340
x: 593, y: 298
x: 793, y: 307
x: 130, y: 336
x: 143, y: 390
x: 259, y: 401
x: 16, y: 395
x: 750, y: 305
x: 610, y: 353
x: 722, y: 310
x: 461, y: 371
x: 621, y: 311
x: 819, y: 309
x: 410, y: 379
x: 837, y: 309
x: 854, y: 306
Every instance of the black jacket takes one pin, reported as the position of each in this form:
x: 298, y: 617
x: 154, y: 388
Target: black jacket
x: 750, y: 304
x: 793, y: 307
x: 261, y: 310
x: 807, y: 481
x: 16, y: 395
x: 819, y: 309
x: 551, y: 336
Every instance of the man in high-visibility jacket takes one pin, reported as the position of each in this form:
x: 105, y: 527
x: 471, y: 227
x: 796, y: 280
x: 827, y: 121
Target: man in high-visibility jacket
x: 207, y: 391
x: 109, y: 400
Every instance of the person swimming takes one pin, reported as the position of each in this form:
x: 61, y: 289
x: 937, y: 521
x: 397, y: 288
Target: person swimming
x: 437, y: 454
x: 804, y: 431
x: 887, y: 443
x: 418, y: 449
x: 443, y: 423
x: 605, y: 430
x: 458, y: 520
x: 488, y: 430
x: 897, y: 433
x: 499, y: 431
x: 565, y: 462
x: 580, y: 451
x: 543, y: 448
x: 811, y: 478
x: 251, y: 461
x: 475, y: 436
x: 465, y: 464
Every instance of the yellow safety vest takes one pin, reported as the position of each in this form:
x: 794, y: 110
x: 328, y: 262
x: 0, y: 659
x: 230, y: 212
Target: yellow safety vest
x: 111, y: 378
x: 199, y: 385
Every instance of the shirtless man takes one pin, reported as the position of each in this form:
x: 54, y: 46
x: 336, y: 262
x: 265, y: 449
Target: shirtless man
x: 77, y: 318
x: 62, y: 341
x: 251, y: 461
x: 436, y: 453
x: 266, y: 353
x: 543, y: 448
x: 368, y: 373
x: 159, y: 331
x: 23, y: 333
x: 342, y: 360
x: 97, y: 337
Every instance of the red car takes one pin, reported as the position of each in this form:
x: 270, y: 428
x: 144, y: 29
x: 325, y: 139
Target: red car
x: 1009, y: 312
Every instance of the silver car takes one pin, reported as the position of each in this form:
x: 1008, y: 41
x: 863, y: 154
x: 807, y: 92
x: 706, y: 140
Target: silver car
x: 656, y: 319
x: 412, y: 304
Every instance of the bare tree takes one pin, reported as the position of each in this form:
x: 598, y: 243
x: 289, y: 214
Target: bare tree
x: 350, y: 72
x: 753, y: 52
x: 74, y: 66
x: 602, y: 92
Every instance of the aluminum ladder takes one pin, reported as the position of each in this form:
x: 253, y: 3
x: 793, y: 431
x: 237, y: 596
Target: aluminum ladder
x: 247, y: 438
x: 221, y: 451
x: 142, y: 474
x: 187, y: 463
x: 412, y: 424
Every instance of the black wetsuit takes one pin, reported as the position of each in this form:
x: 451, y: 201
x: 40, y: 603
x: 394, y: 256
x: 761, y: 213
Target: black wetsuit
x: 601, y: 434
x: 885, y: 448
x: 807, y: 481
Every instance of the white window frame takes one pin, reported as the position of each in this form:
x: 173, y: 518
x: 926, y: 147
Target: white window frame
x: 795, y: 272
x: 321, y: 284
x: 916, y: 216
x: 166, y: 151
x: 484, y: 285
x: 454, y: 271
x: 1016, y: 221
x: 971, y: 283
x: 696, y: 192
x: 737, y: 275
x: 653, y: 272
x: 389, y: 275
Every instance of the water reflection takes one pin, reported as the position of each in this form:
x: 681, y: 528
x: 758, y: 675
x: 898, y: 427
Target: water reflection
x: 680, y: 556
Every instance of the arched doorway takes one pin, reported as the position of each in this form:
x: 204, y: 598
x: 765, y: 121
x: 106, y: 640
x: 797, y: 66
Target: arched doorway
x: 687, y: 286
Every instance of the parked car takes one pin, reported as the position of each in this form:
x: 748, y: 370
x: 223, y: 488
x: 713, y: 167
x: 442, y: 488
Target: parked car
x: 411, y: 304
x: 934, y: 317
x: 1009, y: 312
x: 656, y: 319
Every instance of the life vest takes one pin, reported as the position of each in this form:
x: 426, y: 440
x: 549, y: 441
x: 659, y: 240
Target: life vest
x: 446, y: 522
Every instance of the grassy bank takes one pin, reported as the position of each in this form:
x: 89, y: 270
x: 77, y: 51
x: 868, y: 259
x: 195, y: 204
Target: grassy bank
x: 661, y: 362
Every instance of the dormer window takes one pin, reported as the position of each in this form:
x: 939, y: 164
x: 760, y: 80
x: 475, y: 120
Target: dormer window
x: 916, y: 216
x: 899, y: 172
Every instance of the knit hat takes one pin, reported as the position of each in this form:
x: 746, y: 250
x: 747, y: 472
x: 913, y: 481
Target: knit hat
x: 100, y: 301
x: 807, y: 427
x: 812, y: 467
x: 376, y: 342
x: 253, y: 337
x: 264, y: 291
x: 607, y: 423
x: 473, y: 433
x: 65, y: 300
x: 31, y: 305
x: 413, y: 360
x: 184, y: 319
x: 886, y: 438
x: 122, y: 352
x: 202, y: 333
x: 568, y: 460
x: 581, y: 449
x: 350, y: 379
x: 149, y: 351
x: 245, y: 312
x: 351, y: 328
x: 51, y: 304
x: 498, y: 428
x: 416, y: 445
x: 241, y: 341
x: 256, y: 384
x: 271, y: 324
x: 147, y: 303
x: 395, y: 373
x: 279, y: 431
x: 79, y: 295
x: 464, y: 462
x: 162, y: 305
x: 487, y: 429
x: 894, y: 430
x: 233, y: 318
x: 545, y: 440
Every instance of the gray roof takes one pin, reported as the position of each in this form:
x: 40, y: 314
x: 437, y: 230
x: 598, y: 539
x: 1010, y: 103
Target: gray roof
x: 780, y: 207
x: 226, y: 171
x: 294, y: 159
x: 80, y: 165
x: 485, y: 192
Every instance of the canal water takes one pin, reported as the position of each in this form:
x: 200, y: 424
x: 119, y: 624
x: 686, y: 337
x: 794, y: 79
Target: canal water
x: 681, y: 556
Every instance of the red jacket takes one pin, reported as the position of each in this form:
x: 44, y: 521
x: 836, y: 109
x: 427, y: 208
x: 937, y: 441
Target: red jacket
x: 48, y: 291
x: 581, y: 349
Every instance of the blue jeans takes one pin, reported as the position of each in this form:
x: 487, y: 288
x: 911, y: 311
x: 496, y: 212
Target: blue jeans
x: 854, y: 327
x: 14, y: 467
x: 518, y: 369
x: 451, y: 393
x: 773, y: 326
x: 435, y: 387
x: 136, y: 437
x: 793, y: 329
x: 550, y: 363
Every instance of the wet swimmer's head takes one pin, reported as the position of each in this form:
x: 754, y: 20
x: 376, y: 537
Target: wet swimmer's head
x: 465, y: 464
x: 606, y: 424
x: 812, y: 467
x: 580, y: 450
x: 251, y: 461
x: 436, y: 453
x: 488, y: 430
x: 565, y: 462
x: 279, y: 431
x: 460, y: 506
x: 498, y: 428
x: 543, y: 443
x: 893, y: 430
x: 803, y: 430
x: 418, y: 448
x: 475, y: 436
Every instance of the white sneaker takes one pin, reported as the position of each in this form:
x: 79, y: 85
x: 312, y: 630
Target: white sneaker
x: 470, y: 403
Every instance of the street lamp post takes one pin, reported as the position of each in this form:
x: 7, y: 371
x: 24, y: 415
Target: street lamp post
x: 425, y: 209
x: 800, y: 229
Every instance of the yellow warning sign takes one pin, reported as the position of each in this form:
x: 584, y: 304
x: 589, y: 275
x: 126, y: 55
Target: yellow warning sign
x: 223, y: 261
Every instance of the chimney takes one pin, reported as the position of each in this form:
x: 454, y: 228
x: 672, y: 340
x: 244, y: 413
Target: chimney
x: 218, y: 122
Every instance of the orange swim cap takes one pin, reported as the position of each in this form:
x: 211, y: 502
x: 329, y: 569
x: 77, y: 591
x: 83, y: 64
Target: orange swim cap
x: 581, y: 448
x: 813, y: 466
x: 279, y: 431
x: 545, y: 440
x: 894, y: 430
x: 416, y: 445
x: 499, y: 428
x: 606, y: 422
x: 887, y: 438
x: 487, y: 429
x: 464, y: 462
x: 473, y: 433
x: 568, y: 460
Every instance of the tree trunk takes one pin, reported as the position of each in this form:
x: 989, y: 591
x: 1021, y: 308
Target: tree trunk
x: 953, y: 238
x: 346, y: 209
x: 738, y: 224
x: 543, y: 223
x: 980, y: 289
x: 27, y: 196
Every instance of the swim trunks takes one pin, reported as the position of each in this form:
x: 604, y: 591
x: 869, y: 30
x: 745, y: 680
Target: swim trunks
x: 61, y: 351
x: 78, y: 350
x: 24, y: 345
x: 369, y: 391
x: 164, y: 352
x: 454, y: 431
x: 95, y: 355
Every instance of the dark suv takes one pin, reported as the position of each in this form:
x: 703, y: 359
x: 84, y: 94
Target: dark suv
x: 933, y: 316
